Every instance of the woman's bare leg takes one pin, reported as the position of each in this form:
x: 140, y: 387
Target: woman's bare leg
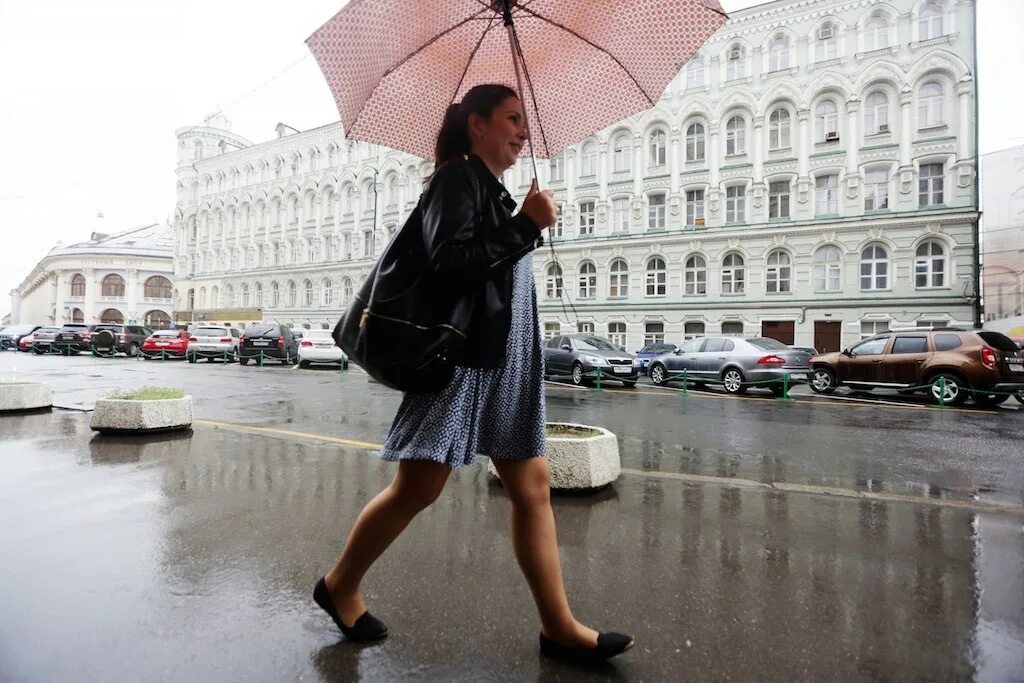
x: 536, y: 546
x: 417, y: 484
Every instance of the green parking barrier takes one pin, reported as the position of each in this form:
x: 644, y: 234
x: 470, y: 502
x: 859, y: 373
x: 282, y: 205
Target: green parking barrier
x: 942, y: 391
x: 684, y: 390
x: 597, y: 387
x: 261, y: 358
x: 785, y: 389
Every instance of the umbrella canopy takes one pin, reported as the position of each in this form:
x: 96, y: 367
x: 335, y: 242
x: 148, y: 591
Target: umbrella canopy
x: 394, y: 66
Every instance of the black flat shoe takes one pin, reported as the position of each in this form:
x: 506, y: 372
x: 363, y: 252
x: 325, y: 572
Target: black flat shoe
x: 367, y: 627
x: 608, y: 646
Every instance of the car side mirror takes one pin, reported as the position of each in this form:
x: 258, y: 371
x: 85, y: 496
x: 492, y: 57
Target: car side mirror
x: 566, y: 347
x: 847, y: 352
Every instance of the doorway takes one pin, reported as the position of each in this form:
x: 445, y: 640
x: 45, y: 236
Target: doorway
x: 779, y: 330
x: 828, y: 336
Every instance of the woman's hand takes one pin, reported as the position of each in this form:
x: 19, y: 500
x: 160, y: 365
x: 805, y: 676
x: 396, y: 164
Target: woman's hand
x: 540, y: 206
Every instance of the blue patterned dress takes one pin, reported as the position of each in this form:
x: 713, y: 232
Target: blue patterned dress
x: 494, y: 412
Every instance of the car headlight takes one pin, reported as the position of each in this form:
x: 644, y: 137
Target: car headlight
x: 593, y: 360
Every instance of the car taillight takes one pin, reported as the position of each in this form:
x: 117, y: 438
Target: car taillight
x: 87, y: 335
x: 772, y: 360
x: 280, y: 342
x: 241, y: 340
x: 225, y: 340
x: 988, y: 358
x: 191, y: 339
x: 305, y: 343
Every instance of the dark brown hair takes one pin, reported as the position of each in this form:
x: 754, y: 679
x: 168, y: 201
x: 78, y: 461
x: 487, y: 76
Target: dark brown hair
x: 453, y: 140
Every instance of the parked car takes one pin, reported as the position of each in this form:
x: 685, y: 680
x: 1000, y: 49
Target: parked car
x: 72, y: 338
x: 118, y: 338
x: 317, y: 346
x: 806, y: 349
x: 274, y: 341
x: 651, y: 351
x: 164, y: 343
x: 578, y: 355
x: 41, y: 339
x: 737, y: 363
x: 949, y: 363
x: 214, y: 341
x: 11, y: 335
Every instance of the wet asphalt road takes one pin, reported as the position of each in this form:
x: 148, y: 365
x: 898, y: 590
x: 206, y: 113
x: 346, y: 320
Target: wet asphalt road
x: 191, y: 557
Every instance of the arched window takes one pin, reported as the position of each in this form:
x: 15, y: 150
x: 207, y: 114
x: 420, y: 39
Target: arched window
x: 197, y: 150
x: 657, y: 277
x: 293, y: 294
x: 307, y: 294
x: 733, y: 274
x: 326, y: 292
x: 622, y: 153
x: 657, y: 146
x: 876, y: 32
x: 77, y: 315
x: 736, y: 136
x: 874, y: 267
x: 215, y: 297
x: 588, y: 281
x: 779, y: 129
x: 929, y: 22
x: 157, y: 320
x: 257, y: 295
x: 826, y: 45
x: 275, y: 295
x: 779, y: 274
x: 778, y: 54
x: 112, y: 316
x: 876, y: 113
x: 826, y: 121
x: 735, y: 65
x: 588, y: 159
x: 346, y: 291
x: 157, y: 287
x: 930, y: 265
x: 553, y: 283
x: 695, y: 73
x: 618, y: 279
x: 229, y: 296
x: 245, y: 295
x: 695, y: 275
x: 827, y: 274
x: 78, y: 286
x: 929, y: 105
x: 695, y: 142
x: 113, y: 285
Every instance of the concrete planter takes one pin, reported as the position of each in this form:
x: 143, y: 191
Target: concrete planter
x: 18, y: 396
x: 580, y: 463
x: 123, y: 416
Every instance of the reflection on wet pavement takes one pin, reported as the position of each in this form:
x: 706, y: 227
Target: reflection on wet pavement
x: 192, y: 557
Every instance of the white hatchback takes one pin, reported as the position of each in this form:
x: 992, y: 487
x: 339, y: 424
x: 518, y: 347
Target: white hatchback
x: 213, y: 342
x: 317, y: 346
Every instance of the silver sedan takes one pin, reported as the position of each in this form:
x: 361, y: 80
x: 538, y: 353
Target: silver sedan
x: 737, y: 363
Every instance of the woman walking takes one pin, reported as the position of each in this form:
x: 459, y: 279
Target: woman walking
x: 495, y: 402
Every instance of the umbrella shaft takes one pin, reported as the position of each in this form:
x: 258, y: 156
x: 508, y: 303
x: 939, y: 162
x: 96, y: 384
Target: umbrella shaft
x: 522, y: 93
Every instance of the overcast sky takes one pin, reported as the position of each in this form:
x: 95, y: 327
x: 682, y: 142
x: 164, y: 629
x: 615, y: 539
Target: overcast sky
x: 91, y: 93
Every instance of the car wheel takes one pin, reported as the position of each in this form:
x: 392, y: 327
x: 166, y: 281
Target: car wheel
x: 1020, y: 397
x: 577, y: 374
x: 243, y: 361
x: 287, y: 360
x: 303, y: 363
x: 658, y: 374
x: 732, y: 380
x: 989, y: 400
x: 629, y: 383
x: 133, y: 350
x: 823, y: 381
x: 38, y: 351
x: 955, y: 393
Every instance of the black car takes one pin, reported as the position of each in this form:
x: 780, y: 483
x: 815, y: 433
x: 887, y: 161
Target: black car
x: 71, y: 339
x: 116, y: 338
x: 580, y: 355
x: 270, y: 341
x: 10, y: 336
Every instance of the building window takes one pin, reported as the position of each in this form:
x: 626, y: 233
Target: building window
x: 876, y: 190
x: 778, y: 54
x: 257, y: 297
x: 826, y: 121
x: 113, y: 285
x: 229, y: 296
x: 586, y: 219
x: 525, y: 171
x: 734, y: 66
x: 779, y: 129
x: 552, y: 330
x: 617, y: 333
x: 77, y: 315
x: 654, y: 333
x: 112, y: 316
x: 869, y: 328
x: 827, y: 45
x: 732, y: 327
x: 557, y: 229
x: 826, y: 195
x: 245, y: 295
x: 157, y: 287
x: 588, y: 160
x: 735, y: 136
x: 622, y: 153
x: 293, y: 291
x: 929, y: 185
x: 778, y: 200
x: 553, y: 283
x: 78, y: 286
x: 588, y: 281
x: 693, y: 330
x: 930, y: 265
x: 307, y: 294
x: 827, y: 267
x: 735, y: 204
x: 876, y: 113
x: 929, y: 22
x: 656, y: 212
x: 732, y: 274
x: 695, y: 73
x: 368, y: 243
x: 929, y: 105
x: 695, y: 142
x: 695, y: 207
x: 874, y: 267
x: 779, y: 273
x: 556, y: 167
x: 326, y: 292
x: 618, y: 279
x: 657, y: 147
x: 657, y: 277
x: 346, y: 291
x: 695, y: 276
x: 584, y: 327
x: 876, y: 33
x: 620, y: 215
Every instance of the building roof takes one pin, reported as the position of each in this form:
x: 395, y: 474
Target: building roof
x: 148, y: 240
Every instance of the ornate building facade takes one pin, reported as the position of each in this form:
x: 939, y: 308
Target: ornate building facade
x: 810, y: 176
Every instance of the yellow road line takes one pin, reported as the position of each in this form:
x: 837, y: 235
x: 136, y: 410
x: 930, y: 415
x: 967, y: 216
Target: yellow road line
x: 286, y: 432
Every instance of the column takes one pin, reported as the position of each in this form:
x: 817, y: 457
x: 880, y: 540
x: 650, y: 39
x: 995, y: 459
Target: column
x: 59, y: 314
x: 357, y: 225
x: 964, y: 129
x: 602, y: 168
x: 758, y: 156
x: 638, y: 164
x: 673, y: 160
x: 131, y: 297
x: 570, y: 175
x: 852, y: 136
x: 89, y: 306
x: 906, y: 99
x: 803, y: 143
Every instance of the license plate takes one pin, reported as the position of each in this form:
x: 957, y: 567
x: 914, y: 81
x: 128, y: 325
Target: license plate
x: 622, y: 370
x: 261, y: 343
x: 324, y: 346
x: 1015, y: 362
x: 163, y: 343
x: 798, y: 375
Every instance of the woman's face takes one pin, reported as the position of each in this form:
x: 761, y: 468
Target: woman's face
x: 498, y: 140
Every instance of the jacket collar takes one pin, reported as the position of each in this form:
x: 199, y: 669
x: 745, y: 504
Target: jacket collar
x: 493, y: 184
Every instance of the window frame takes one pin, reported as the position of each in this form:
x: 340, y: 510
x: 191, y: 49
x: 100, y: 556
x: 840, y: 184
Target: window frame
x: 826, y: 271
x: 778, y: 274
x: 655, y: 277
x: 931, y: 189
x: 875, y: 264
x: 831, y: 200
x: 618, y: 279
x: 733, y: 273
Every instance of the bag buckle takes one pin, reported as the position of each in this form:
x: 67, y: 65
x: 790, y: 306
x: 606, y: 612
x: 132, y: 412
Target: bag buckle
x: 363, y: 317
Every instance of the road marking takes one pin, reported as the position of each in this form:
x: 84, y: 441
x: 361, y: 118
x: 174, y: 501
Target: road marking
x: 677, y: 476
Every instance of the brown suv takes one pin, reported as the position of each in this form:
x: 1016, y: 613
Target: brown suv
x: 988, y: 366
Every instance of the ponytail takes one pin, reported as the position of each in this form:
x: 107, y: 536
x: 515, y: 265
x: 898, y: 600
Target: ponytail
x: 453, y: 140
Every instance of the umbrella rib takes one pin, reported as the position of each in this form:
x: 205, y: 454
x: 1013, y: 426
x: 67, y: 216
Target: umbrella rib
x: 596, y: 47
x: 430, y: 42
x: 533, y: 93
x: 469, y: 62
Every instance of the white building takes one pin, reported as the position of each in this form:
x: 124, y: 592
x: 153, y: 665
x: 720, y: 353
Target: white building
x: 1002, y: 223
x: 125, y: 277
x: 809, y: 176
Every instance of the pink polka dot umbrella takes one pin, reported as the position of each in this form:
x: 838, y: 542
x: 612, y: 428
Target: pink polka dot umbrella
x: 394, y: 66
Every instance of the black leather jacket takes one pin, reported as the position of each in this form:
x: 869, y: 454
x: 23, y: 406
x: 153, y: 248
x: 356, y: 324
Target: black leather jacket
x: 472, y: 241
